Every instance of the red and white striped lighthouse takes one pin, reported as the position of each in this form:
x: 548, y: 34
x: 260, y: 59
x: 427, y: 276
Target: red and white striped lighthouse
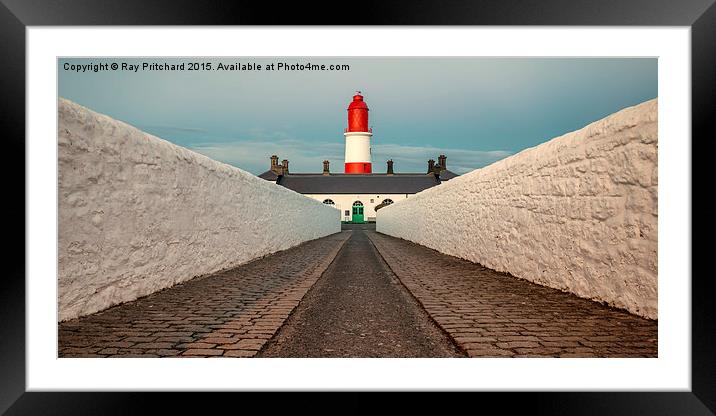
x: 358, y: 137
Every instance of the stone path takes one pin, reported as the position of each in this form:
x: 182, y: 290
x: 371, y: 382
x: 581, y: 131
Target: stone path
x: 367, y: 304
x: 491, y: 314
x: 359, y: 309
x: 230, y: 314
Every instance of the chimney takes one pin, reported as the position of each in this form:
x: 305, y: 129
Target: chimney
x: 326, y: 170
x: 390, y: 167
x: 443, y: 162
x: 284, y: 165
x: 275, y: 167
x: 431, y: 165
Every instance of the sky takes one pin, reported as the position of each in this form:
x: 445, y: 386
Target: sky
x: 474, y: 110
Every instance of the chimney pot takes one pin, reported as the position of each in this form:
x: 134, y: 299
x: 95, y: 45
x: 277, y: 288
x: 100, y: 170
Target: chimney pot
x: 390, y: 166
x: 326, y: 169
x: 284, y: 164
x: 431, y: 165
x: 443, y: 162
x: 275, y: 167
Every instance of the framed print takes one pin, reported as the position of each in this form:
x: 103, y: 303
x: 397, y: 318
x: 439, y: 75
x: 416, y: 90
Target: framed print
x: 69, y: 328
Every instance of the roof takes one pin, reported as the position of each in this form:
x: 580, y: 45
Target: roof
x: 269, y: 175
x: 447, y: 175
x: 339, y: 183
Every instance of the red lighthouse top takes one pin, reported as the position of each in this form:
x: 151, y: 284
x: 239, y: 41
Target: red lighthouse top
x: 358, y: 114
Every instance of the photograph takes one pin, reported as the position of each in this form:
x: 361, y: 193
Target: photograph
x: 493, y: 198
x: 357, y: 207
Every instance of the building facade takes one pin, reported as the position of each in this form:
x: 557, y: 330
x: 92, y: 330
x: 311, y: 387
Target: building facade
x: 358, y: 192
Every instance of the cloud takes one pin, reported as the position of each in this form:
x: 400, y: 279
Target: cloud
x: 415, y: 158
x: 305, y: 156
x: 254, y: 156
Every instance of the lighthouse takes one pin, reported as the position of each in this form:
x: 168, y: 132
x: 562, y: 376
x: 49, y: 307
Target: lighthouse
x: 358, y: 192
x: 358, y: 136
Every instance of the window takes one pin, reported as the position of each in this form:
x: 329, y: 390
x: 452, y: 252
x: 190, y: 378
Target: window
x: 387, y: 201
x: 329, y: 202
x: 358, y: 203
x: 371, y: 200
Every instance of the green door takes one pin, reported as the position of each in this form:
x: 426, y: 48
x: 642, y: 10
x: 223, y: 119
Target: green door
x: 357, y: 214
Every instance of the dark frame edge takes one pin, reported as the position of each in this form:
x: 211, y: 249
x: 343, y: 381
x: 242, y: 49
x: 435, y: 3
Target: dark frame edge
x: 703, y: 108
x: 367, y: 12
x: 12, y: 118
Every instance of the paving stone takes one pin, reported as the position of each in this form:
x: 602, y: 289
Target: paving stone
x: 234, y: 313
x: 202, y: 352
x: 191, y: 318
x: 468, y: 340
x: 251, y: 344
x: 239, y: 353
x: 560, y: 344
x: 121, y: 344
x: 172, y: 334
x: 168, y: 352
x: 517, y: 344
x: 139, y: 339
x: 78, y: 351
x: 175, y: 340
x: 135, y: 356
x: 527, y: 319
x: 508, y: 338
x: 359, y: 309
x: 221, y: 340
x: 153, y: 345
x: 489, y: 352
x: 538, y: 352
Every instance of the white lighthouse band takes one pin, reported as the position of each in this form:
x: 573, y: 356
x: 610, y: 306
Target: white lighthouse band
x: 358, y: 147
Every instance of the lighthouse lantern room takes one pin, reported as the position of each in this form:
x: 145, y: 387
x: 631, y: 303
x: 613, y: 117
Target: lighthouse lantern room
x: 358, y: 155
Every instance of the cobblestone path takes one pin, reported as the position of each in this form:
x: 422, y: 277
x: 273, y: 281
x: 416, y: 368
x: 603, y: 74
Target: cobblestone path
x: 379, y: 297
x: 359, y: 309
x: 230, y: 314
x: 491, y: 314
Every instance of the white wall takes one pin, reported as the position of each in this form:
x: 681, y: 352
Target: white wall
x: 578, y: 213
x: 344, y: 202
x: 138, y: 214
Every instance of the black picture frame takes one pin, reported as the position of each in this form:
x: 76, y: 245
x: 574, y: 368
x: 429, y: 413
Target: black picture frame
x: 16, y: 15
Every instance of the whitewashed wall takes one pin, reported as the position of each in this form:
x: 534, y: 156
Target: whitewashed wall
x: 138, y: 214
x: 577, y: 213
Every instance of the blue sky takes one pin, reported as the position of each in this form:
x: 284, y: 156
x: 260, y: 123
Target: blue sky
x: 474, y: 110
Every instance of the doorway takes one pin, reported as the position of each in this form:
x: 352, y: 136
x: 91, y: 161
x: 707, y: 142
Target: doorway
x: 357, y: 217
